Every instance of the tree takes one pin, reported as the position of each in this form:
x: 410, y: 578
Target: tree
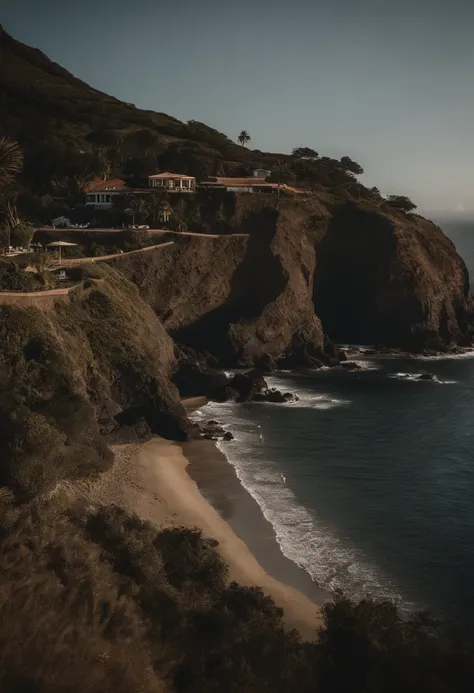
x: 11, y: 161
x: 104, y: 164
x: 137, y: 209
x: 402, y: 203
x: 305, y: 153
x: 15, y: 231
x: 5, y: 236
x: 22, y: 234
x: 244, y: 137
x: 352, y: 166
x: 281, y: 174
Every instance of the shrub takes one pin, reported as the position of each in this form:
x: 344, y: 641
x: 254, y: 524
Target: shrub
x: 12, y: 278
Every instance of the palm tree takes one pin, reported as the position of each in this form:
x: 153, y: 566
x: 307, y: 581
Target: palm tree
x: 243, y: 138
x: 11, y: 161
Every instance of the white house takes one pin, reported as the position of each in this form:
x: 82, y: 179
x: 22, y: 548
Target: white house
x: 173, y: 182
x: 261, y: 173
x: 101, y: 193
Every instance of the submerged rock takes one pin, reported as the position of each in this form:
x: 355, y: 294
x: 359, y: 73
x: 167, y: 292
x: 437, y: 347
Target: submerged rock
x: 275, y: 396
x: 426, y: 376
x: 351, y: 365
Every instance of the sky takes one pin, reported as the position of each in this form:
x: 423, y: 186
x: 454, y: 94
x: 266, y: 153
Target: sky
x: 386, y: 83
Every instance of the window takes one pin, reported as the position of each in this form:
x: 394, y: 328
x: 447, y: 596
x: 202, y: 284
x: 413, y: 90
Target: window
x: 107, y: 198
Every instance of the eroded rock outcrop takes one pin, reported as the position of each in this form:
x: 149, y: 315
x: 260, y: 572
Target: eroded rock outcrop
x: 238, y: 298
x: 383, y: 277
x: 308, y: 269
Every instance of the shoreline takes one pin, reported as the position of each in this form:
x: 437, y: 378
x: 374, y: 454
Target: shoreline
x: 183, y: 498
x: 218, y: 483
x: 152, y: 480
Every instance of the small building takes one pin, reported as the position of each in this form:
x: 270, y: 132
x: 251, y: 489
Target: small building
x: 261, y: 173
x: 247, y: 185
x: 101, y: 193
x: 172, y: 182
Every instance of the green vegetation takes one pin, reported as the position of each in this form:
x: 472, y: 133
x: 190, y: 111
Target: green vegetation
x: 305, y: 153
x: 103, y: 602
x: 12, y: 278
x: 11, y: 161
x: 70, y: 133
x: 48, y: 429
x: 244, y: 138
x: 402, y: 203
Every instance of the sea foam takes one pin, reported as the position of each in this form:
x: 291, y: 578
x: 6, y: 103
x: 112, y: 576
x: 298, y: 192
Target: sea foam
x: 332, y: 562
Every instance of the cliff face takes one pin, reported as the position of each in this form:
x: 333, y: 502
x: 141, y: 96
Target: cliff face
x: 236, y: 297
x: 359, y: 273
x: 386, y: 278
x: 374, y: 278
x: 108, y: 355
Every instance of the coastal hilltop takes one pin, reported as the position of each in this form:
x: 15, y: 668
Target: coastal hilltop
x: 146, y: 261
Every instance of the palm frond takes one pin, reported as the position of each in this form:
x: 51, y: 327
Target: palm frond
x: 11, y: 160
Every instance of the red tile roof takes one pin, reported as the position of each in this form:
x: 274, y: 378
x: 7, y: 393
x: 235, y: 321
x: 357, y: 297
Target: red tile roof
x: 99, y: 185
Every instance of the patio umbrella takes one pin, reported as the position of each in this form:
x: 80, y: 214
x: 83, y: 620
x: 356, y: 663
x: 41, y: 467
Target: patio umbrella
x: 60, y: 244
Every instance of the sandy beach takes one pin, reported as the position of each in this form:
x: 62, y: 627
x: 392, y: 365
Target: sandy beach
x: 151, y: 480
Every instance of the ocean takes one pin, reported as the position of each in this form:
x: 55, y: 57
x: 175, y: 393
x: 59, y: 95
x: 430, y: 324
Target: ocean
x: 368, y: 480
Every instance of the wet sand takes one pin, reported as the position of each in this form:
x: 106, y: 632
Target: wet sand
x: 152, y: 480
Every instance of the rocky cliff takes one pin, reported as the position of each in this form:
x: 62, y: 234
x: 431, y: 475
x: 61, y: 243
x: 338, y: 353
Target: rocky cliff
x: 106, y: 360
x: 238, y: 297
x: 383, y: 277
x: 357, y: 272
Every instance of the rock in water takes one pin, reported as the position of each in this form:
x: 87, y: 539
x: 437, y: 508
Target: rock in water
x: 248, y: 384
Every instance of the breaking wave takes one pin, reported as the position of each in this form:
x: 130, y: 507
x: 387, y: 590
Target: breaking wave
x: 331, y: 561
x: 419, y: 378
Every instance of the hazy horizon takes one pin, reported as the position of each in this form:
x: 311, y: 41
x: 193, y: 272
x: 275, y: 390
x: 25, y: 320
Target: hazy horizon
x: 386, y: 85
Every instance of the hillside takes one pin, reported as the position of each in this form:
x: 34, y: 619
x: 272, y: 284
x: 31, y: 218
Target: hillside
x: 70, y: 115
x: 68, y: 130
x: 96, y: 599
